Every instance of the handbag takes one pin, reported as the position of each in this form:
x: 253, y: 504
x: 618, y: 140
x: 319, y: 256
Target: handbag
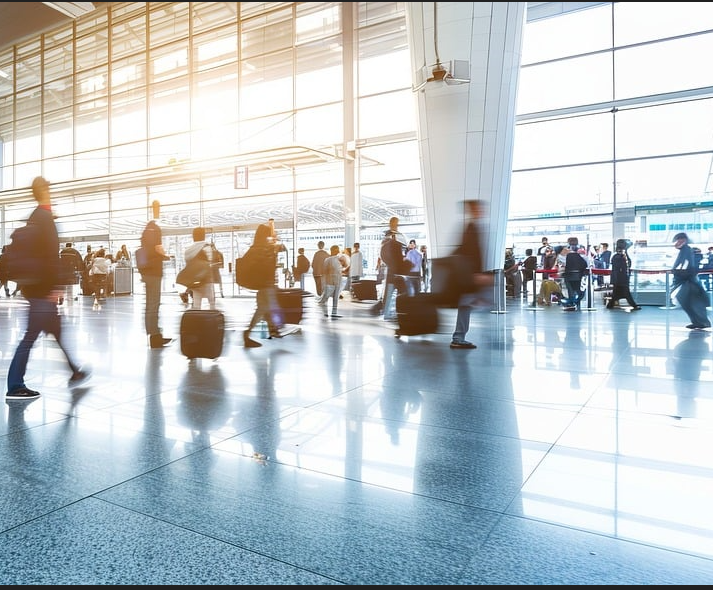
x: 196, y: 272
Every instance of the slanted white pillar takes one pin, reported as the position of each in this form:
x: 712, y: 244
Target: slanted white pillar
x: 466, y: 130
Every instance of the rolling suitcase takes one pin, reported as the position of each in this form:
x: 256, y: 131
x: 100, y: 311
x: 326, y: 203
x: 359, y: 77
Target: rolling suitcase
x: 416, y: 315
x: 291, y: 305
x: 202, y: 333
x: 364, y: 290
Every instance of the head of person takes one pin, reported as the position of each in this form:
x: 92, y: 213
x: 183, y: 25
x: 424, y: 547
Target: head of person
x: 263, y: 233
x: 544, y: 240
x: 394, y: 224
x: 411, y: 244
x: 334, y: 250
x: 68, y: 245
x: 300, y: 250
x: 621, y: 244
x: 101, y: 253
x: 559, y: 250
x: 604, y: 246
x: 680, y: 240
x: 356, y: 246
x: 320, y: 244
x: 198, y: 234
x: 528, y: 252
x: 41, y: 190
x: 473, y: 208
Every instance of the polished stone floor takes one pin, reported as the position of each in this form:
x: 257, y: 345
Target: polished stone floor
x: 569, y: 448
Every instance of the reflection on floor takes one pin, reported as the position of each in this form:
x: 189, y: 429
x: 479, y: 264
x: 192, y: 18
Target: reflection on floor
x: 569, y: 448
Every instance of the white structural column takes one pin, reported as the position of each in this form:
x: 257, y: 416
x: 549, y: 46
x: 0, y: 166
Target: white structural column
x: 466, y: 130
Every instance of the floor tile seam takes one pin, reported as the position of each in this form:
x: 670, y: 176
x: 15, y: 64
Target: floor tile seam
x: 610, y: 536
x: 630, y: 461
x: 208, y: 537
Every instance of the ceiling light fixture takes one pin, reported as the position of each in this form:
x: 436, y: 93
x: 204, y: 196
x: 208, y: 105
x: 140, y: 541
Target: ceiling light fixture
x: 454, y: 72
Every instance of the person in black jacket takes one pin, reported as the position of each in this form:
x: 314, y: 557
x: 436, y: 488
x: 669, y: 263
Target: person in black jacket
x: 689, y: 292
x: 264, y: 248
x: 575, y: 267
x: 471, y: 253
x: 152, y: 275
x: 620, y: 267
x: 42, y: 296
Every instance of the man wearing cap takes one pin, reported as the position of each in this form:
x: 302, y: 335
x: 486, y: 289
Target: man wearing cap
x: 687, y: 289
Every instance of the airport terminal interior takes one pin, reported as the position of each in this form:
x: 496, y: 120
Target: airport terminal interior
x: 567, y: 448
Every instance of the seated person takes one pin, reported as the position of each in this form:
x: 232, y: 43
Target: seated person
x: 513, y: 276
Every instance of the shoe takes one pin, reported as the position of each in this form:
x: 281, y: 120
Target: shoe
x: 636, y: 308
x: 703, y: 327
x: 249, y: 342
x: 22, y: 393
x: 463, y: 344
x: 335, y: 316
x: 287, y: 330
x: 158, y: 341
x: 691, y: 326
x: 570, y: 308
x: 78, y: 378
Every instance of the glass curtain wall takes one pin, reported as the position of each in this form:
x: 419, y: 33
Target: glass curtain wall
x: 228, y: 114
x: 234, y: 113
x: 614, y: 136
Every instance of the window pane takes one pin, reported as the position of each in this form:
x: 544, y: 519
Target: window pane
x: 381, y: 163
x: 128, y: 36
x: 210, y: 16
x: 576, y: 81
x: 128, y: 116
x: 215, y: 49
x: 91, y: 42
x: 266, y: 132
x: 266, y: 85
x: 319, y: 74
x: 401, y: 107
x: 91, y: 122
x: 168, y: 23
x: 128, y: 73
x: 28, y: 139
x: 170, y: 61
x: 663, y: 67
x: 59, y: 93
x: 92, y: 163
x: 59, y: 133
x: 667, y: 180
x: 92, y: 84
x: 59, y: 57
x: 384, y: 60
x: 316, y: 20
x: 320, y: 126
x: 215, y: 97
x: 169, y: 108
x: 164, y: 150
x: 573, y: 33
x: 562, y: 191
x: 266, y: 33
x: 28, y: 71
x: 570, y: 140
x: 648, y: 21
x: 657, y: 130
x: 125, y: 158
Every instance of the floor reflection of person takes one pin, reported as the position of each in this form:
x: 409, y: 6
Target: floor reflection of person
x: 686, y: 363
x: 202, y: 403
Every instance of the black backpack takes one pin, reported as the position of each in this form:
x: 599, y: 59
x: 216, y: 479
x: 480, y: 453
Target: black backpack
x: 22, y: 261
x: 250, y: 269
x: 392, y: 254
